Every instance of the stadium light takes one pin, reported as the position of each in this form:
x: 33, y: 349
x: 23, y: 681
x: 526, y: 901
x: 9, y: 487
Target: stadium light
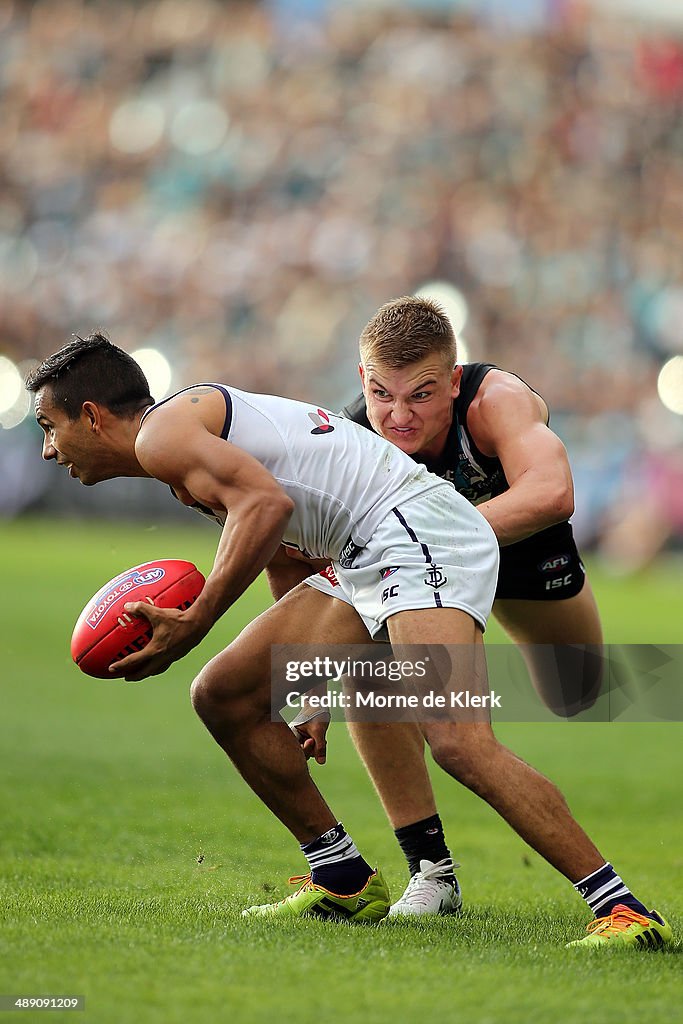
x: 15, y: 402
x: 157, y: 370
x: 454, y: 304
x: 670, y: 385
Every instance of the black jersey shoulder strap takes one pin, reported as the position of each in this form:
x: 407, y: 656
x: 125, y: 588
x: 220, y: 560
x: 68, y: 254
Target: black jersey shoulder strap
x: 470, y: 382
x: 472, y: 376
x: 357, y: 411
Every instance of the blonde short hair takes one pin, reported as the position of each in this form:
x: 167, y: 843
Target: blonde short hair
x: 406, y: 330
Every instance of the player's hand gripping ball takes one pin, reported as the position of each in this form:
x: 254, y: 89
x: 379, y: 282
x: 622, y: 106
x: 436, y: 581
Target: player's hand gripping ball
x: 105, y: 633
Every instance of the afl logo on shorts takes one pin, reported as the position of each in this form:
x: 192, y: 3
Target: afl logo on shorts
x: 555, y: 563
x: 389, y: 571
x: 322, y: 422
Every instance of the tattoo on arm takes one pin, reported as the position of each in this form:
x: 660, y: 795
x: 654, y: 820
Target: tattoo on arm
x: 201, y: 391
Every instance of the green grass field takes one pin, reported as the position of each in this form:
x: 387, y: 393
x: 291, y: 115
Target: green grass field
x: 129, y: 845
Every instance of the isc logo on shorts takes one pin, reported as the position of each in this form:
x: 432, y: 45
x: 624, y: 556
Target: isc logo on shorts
x: 348, y: 554
x: 558, y: 582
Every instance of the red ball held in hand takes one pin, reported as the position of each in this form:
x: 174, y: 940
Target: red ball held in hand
x: 105, y: 633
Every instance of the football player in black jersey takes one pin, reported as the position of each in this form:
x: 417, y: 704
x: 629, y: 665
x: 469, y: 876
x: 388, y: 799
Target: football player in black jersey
x: 487, y: 432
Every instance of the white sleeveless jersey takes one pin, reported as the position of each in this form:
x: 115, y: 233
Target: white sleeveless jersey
x: 342, y: 478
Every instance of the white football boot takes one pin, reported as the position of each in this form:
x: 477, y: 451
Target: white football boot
x: 430, y: 891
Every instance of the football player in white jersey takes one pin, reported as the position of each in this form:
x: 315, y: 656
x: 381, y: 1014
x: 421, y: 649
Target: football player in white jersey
x: 253, y: 462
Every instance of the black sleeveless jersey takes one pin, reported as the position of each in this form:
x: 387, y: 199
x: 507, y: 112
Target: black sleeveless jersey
x: 476, y: 476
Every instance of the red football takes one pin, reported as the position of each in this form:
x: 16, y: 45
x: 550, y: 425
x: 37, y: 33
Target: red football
x: 105, y: 634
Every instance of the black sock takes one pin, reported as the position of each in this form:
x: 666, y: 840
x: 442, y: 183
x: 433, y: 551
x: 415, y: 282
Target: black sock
x: 423, y: 840
x: 336, y: 863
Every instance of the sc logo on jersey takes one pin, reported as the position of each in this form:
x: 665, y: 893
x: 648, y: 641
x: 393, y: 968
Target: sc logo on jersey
x: 390, y: 592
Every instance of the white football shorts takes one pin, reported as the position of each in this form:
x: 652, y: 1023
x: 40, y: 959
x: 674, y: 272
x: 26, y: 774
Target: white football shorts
x: 432, y: 551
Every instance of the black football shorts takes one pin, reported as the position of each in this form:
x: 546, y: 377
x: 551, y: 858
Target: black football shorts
x: 545, y: 567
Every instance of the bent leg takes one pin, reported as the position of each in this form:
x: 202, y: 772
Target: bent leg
x: 531, y: 804
x: 561, y: 642
x: 470, y: 753
x: 232, y: 696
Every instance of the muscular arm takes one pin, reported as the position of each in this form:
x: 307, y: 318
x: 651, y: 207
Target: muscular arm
x: 508, y: 420
x: 177, y: 447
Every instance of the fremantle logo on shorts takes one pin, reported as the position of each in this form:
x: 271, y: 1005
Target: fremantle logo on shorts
x: 121, y: 588
x: 435, y: 577
x: 554, y: 563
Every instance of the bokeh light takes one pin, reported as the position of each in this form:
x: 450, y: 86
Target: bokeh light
x: 15, y: 402
x: 199, y: 127
x: 454, y: 304
x: 463, y: 349
x: 136, y: 126
x: 10, y: 384
x: 670, y: 385
x: 450, y: 298
x: 157, y: 370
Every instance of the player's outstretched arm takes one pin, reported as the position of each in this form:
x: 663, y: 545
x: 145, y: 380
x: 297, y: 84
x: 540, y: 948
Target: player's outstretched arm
x: 509, y: 421
x: 178, y: 448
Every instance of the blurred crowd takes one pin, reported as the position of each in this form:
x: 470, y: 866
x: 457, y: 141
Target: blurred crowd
x: 242, y: 184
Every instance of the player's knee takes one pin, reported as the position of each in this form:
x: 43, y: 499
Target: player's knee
x: 203, y: 694
x: 215, y: 693
x: 465, y: 753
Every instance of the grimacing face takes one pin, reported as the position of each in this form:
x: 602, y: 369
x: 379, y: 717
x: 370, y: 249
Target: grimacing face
x: 72, y: 443
x: 412, y: 407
